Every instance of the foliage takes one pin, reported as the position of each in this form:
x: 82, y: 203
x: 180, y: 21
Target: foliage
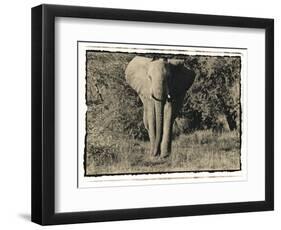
x: 215, y: 92
x: 112, y: 103
x: 113, y: 106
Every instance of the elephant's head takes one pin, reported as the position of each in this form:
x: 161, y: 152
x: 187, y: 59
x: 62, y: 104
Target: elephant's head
x: 161, y: 85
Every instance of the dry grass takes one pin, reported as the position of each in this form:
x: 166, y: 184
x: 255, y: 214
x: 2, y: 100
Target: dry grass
x: 199, y: 151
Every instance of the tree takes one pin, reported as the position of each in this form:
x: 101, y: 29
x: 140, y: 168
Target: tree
x: 215, y: 92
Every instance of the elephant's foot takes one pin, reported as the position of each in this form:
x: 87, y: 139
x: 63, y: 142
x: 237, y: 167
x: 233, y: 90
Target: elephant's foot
x: 165, y: 155
x: 154, y: 153
x: 165, y: 151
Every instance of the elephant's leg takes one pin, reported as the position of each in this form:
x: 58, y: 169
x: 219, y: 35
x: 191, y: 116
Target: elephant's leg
x: 150, y: 121
x: 171, y: 110
x: 166, y: 144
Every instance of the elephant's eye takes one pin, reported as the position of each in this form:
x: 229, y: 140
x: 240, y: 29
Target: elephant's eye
x: 149, y: 77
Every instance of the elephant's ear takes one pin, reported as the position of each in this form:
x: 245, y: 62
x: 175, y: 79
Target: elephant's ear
x: 182, y: 76
x: 137, y: 75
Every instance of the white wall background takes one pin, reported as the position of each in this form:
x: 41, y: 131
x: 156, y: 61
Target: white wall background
x: 15, y: 114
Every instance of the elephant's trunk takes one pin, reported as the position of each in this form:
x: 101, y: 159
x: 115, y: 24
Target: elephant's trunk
x: 159, y: 113
x: 167, y: 130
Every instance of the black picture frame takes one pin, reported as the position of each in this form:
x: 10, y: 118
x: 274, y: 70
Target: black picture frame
x: 43, y: 114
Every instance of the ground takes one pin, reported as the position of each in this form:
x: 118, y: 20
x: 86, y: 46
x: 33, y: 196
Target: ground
x: 199, y: 151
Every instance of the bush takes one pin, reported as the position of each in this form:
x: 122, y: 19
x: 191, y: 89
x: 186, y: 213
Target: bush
x: 114, y: 106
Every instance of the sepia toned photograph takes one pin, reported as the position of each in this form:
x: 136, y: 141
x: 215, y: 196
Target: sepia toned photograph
x: 162, y: 110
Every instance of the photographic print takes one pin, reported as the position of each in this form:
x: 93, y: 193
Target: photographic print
x: 160, y: 111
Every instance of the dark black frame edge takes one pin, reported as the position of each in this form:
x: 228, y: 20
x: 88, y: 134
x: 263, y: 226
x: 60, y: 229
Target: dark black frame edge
x: 43, y: 126
x: 269, y: 113
x: 36, y: 115
x: 43, y: 122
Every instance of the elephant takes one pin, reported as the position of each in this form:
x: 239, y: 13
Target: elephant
x: 161, y: 85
